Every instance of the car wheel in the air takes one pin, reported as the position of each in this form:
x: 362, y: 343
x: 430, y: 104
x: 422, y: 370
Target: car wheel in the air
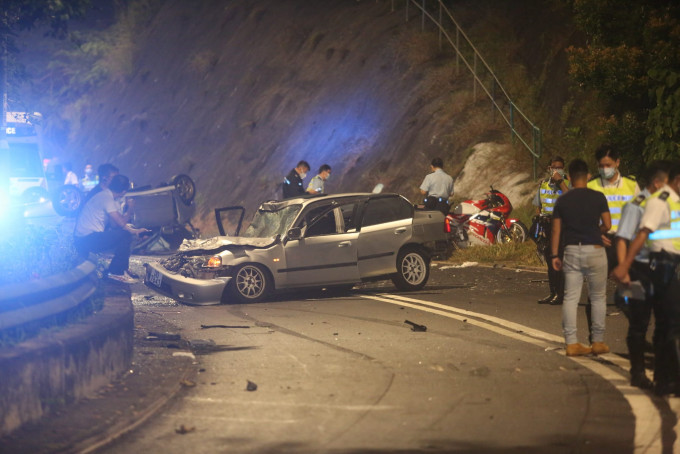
x: 67, y: 200
x: 413, y: 269
x: 184, y: 188
x: 250, y: 283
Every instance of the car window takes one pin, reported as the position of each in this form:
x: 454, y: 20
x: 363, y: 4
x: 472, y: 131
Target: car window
x: 268, y: 223
x: 386, y: 209
x: 320, y: 221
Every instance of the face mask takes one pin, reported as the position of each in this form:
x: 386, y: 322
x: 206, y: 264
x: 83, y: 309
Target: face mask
x: 88, y: 172
x: 560, y: 172
x: 607, y: 172
x: 303, y: 175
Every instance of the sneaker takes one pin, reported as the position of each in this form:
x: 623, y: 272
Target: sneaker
x: 124, y: 278
x: 578, y: 350
x: 600, y: 348
x: 131, y: 275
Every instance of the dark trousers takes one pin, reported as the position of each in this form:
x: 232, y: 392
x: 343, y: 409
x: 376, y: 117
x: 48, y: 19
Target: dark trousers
x: 555, y: 278
x: 116, y: 240
x: 437, y: 203
x: 666, y: 282
x: 638, y: 313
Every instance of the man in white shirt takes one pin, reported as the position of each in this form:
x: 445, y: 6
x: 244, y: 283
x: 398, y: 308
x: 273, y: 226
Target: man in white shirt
x: 437, y: 187
x: 91, y: 235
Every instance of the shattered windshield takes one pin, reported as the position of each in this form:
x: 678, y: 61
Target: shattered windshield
x: 271, y: 222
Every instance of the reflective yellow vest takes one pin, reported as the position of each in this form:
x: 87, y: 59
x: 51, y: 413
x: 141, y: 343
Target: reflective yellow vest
x: 616, y: 197
x: 548, y: 196
x: 673, y: 231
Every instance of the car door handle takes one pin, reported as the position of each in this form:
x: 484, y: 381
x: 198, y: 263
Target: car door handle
x: 344, y: 244
x: 400, y: 230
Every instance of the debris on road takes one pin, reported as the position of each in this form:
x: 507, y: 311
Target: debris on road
x: 415, y: 326
x: 223, y: 326
x: 187, y: 383
x: 163, y: 336
x: 462, y: 265
x: 184, y: 354
x: 251, y: 386
x: 183, y: 430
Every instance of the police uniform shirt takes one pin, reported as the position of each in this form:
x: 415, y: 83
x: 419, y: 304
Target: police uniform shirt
x: 438, y: 184
x: 292, y: 185
x: 537, y: 196
x: 617, y: 184
x: 317, y: 185
x: 657, y: 216
x: 630, y: 222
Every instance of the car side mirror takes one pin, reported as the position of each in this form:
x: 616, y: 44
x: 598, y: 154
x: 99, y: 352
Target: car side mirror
x: 294, y: 234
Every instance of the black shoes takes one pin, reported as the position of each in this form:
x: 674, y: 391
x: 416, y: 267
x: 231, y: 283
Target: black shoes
x: 553, y: 300
x: 641, y: 381
x: 547, y: 299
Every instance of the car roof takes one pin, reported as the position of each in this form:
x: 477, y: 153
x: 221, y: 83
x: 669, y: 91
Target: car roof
x: 307, y: 199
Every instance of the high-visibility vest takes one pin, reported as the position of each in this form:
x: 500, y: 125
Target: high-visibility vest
x: 616, y: 197
x: 673, y: 231
x: 548, y: 196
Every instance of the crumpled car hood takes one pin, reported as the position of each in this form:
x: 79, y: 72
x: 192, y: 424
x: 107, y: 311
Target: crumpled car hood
x: 220, y: 243
x: 191, y: 255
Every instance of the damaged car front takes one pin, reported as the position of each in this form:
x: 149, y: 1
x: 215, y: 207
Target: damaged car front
x: 235, y: 268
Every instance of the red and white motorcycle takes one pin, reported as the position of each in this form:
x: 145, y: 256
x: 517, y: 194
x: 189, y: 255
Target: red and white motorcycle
x: 484, y: 222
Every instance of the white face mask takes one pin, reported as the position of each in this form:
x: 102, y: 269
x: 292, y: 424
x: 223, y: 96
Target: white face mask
x: 303, y: 175
x: 607, y: 172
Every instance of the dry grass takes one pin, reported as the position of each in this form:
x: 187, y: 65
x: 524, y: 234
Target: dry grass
x: 512, y: 254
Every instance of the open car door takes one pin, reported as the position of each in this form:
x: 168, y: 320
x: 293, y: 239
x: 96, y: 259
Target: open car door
x: 232, y: 217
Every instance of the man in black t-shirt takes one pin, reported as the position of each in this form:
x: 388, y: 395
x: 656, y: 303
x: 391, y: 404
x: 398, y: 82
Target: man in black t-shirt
x: 292, y: 184
x: 582, y: 216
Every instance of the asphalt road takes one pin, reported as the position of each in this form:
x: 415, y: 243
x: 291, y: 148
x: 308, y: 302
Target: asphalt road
x: 312, y: 372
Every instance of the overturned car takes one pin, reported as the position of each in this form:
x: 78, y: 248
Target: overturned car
x: 334, y: 240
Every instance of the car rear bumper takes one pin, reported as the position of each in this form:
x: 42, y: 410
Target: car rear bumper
x: 198, y: 292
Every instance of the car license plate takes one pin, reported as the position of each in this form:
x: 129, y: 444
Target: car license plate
x: 155, y: 277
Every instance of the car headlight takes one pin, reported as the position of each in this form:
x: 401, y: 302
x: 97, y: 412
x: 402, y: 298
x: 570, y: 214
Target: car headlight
x: 214, y: 262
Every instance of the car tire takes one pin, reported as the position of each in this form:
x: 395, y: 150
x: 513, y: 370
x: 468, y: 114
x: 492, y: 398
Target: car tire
x: 67, y: 200
x: 184, y: 188
x: 413, y: 269
x: 250, y: 283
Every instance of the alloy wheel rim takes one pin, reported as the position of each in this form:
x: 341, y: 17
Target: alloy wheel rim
x: 250, y: 282
x: 413, y: 269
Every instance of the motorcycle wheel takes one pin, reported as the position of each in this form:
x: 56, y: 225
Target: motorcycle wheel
x: 516, y: 233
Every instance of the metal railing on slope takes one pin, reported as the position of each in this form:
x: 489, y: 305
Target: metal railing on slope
x: 521, y: 127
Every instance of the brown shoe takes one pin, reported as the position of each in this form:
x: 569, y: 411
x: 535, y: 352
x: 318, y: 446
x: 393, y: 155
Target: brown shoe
x: 578, y: 350
x: 600, y: 348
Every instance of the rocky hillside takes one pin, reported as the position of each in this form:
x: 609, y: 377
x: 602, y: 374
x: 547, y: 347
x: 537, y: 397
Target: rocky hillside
x: 234, y: 93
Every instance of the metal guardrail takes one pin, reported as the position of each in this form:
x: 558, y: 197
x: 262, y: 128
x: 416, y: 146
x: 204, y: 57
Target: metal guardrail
x: 521, y: 127
x: 24, y: 303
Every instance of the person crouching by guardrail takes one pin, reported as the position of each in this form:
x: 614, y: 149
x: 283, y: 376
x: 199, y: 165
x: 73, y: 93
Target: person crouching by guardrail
x: 91, y: 235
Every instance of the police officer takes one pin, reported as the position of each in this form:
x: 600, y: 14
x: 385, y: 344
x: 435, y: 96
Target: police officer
x: 618, y: 190
x: 550, y: 189
x: 317, y: 185
x: 660, y: 232
x: 437, y: 187
x: 292, y: 184
x: 634, y: 299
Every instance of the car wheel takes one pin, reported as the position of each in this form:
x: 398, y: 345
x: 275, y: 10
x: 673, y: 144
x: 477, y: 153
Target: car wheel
x: 67, y: 200
x: 34, y: 194
x: 250, y: 283
x: 516, y: 233
x: 184, y: 187
x: 413, y: 270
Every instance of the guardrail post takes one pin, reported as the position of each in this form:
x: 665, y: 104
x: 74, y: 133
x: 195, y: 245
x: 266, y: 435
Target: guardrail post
x: 406, y: 9
x: 512, y: 121
x: 392, y: 6
x: 457, y: 50
x: 422, y: 17
x: 493, y: 99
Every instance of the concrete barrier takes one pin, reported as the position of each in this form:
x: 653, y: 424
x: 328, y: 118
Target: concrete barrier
x: 61, y: 366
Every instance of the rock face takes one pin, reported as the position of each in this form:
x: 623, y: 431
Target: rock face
x: 493, y: 164
x: 235, y: 93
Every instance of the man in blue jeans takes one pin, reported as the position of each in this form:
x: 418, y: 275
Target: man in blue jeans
x: 581, y: 217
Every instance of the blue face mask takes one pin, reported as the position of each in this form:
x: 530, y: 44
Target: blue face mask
x: 607, y: 172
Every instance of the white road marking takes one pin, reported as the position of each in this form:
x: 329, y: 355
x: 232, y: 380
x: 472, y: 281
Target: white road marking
x: 647, y: 418
x: 267, y: 403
